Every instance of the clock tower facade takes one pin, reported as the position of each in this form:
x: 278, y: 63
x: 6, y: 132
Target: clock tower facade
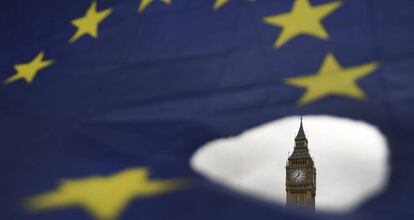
x: 300, y: 175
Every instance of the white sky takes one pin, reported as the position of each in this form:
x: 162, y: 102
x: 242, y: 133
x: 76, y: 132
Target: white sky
x: 351, y: 160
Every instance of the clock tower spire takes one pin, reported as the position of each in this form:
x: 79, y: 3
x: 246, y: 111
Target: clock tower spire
x: 300, y: 140
x: 300, y: 175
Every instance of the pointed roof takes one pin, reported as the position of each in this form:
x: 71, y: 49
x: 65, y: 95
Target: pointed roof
x: 301, y: 144
x: 300, y: 153
x: 301, y: 132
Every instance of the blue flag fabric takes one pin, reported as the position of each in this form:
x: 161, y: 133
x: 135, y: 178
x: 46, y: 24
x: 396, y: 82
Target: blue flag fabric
x: 100, y: 95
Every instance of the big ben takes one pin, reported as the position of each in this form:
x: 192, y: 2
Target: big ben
x: 300, y: 175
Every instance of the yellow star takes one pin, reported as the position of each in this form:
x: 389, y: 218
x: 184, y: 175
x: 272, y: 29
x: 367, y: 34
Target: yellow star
x: 104, y: 197
x: 332, y: 79
x: 88, y: 24
x: 145, y: 3
x: 219, y: 3
x: 28, y: 71
x: 302, y: 19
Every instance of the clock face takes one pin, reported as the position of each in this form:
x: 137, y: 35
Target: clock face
x: 298, y: 175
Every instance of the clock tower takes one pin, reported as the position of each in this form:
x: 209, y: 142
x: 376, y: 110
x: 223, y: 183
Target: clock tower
x: 300, y: 175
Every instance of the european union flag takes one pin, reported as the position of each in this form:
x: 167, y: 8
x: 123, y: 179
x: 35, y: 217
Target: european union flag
x: 103, y: 102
